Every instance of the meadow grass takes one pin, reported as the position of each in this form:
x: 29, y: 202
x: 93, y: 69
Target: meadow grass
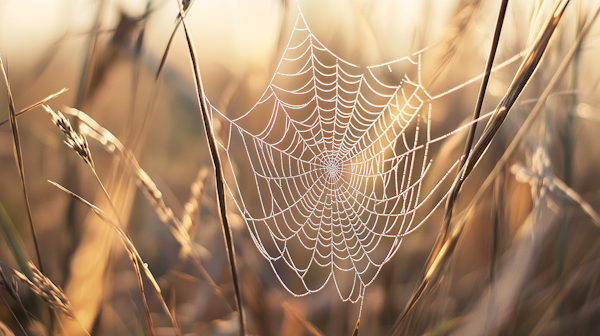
x: 515, y: 251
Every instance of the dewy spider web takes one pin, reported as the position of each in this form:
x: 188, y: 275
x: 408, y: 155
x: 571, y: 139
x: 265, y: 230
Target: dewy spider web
x: 327, y: 168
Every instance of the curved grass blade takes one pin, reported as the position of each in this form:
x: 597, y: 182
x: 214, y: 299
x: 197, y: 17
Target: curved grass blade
x: 186, y: 6
x: 129, y: 247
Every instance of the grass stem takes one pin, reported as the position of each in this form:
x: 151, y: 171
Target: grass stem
x: 227, y: 233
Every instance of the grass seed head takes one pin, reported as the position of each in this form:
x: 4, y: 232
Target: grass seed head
x: 74, y: 140
x: 7, y: 285
x: 50, y: 293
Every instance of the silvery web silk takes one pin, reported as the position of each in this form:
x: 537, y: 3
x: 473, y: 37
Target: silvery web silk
x: 327, y: 168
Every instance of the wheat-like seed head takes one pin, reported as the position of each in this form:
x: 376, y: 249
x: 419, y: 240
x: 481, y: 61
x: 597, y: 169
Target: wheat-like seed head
x: 9, y: 286
x: 192, y: 207
x: 50, y: 293
x: 91, y: 128
x: 74, y: 140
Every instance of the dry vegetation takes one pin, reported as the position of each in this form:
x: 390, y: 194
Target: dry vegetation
x: 128, y: 236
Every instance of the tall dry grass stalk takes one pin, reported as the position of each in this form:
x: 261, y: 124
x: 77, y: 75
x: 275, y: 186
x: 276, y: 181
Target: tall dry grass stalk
x: 218, y: 170
x: 445, y: 247
x: 38, y: 104
x: 134, y: 256
x: 12, y: 117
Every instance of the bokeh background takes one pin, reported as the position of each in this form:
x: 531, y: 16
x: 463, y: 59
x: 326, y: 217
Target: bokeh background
x: 107, y: 54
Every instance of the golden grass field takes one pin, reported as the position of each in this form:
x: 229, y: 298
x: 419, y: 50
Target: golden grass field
x: 129, y: 236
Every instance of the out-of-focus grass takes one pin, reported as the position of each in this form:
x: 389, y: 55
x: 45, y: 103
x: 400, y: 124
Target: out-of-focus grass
x: 545, y: 278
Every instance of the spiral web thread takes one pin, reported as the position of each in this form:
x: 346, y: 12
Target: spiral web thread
x: 327, y: 167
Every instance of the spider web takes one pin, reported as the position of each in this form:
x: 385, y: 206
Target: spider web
x: 327, y: 167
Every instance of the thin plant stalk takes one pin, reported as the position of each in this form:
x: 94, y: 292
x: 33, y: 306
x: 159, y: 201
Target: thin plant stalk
x: 186, y: 7
x: 12, y: 117
x: 134, y: 256
x: 181, y: 230
x: 227, y: 232
x: 12, y: 288
x: 448, y: 247
x: 40, y: 103
x: 568, y: 147
x: 444, y: 248
x: 80, y: 145
x: 485, y: 81
x: 497, y: 218
x: 89, y: 61
x: 471, y: 135
x: 535, y: 111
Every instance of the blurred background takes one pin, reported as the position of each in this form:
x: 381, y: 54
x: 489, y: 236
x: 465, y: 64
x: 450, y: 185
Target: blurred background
x: 542, y: 262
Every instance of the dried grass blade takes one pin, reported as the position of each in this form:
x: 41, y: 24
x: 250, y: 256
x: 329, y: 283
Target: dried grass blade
x: 112, y: 144
x: 443, y: 248
x: 12, y: 288
x: 186, y: 7
x: 484, y: 82
x: 47, y: 290
x: 355, y: 332
x: 210, y: 137
x: 89, y: 62
x: 40, y: 103
x: 433, y: 272
x: 520, y: 80
x: 129, y: 247
x: 136, y: 259
x: 174, y: 305
x: 163, y: 59
x: 526, y: 125
x: 12, y: 117
x: 536, y: 109
x: 575, y: 197
x: 471, y: 135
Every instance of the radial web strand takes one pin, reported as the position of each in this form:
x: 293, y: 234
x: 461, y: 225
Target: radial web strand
x: 327, y: 168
